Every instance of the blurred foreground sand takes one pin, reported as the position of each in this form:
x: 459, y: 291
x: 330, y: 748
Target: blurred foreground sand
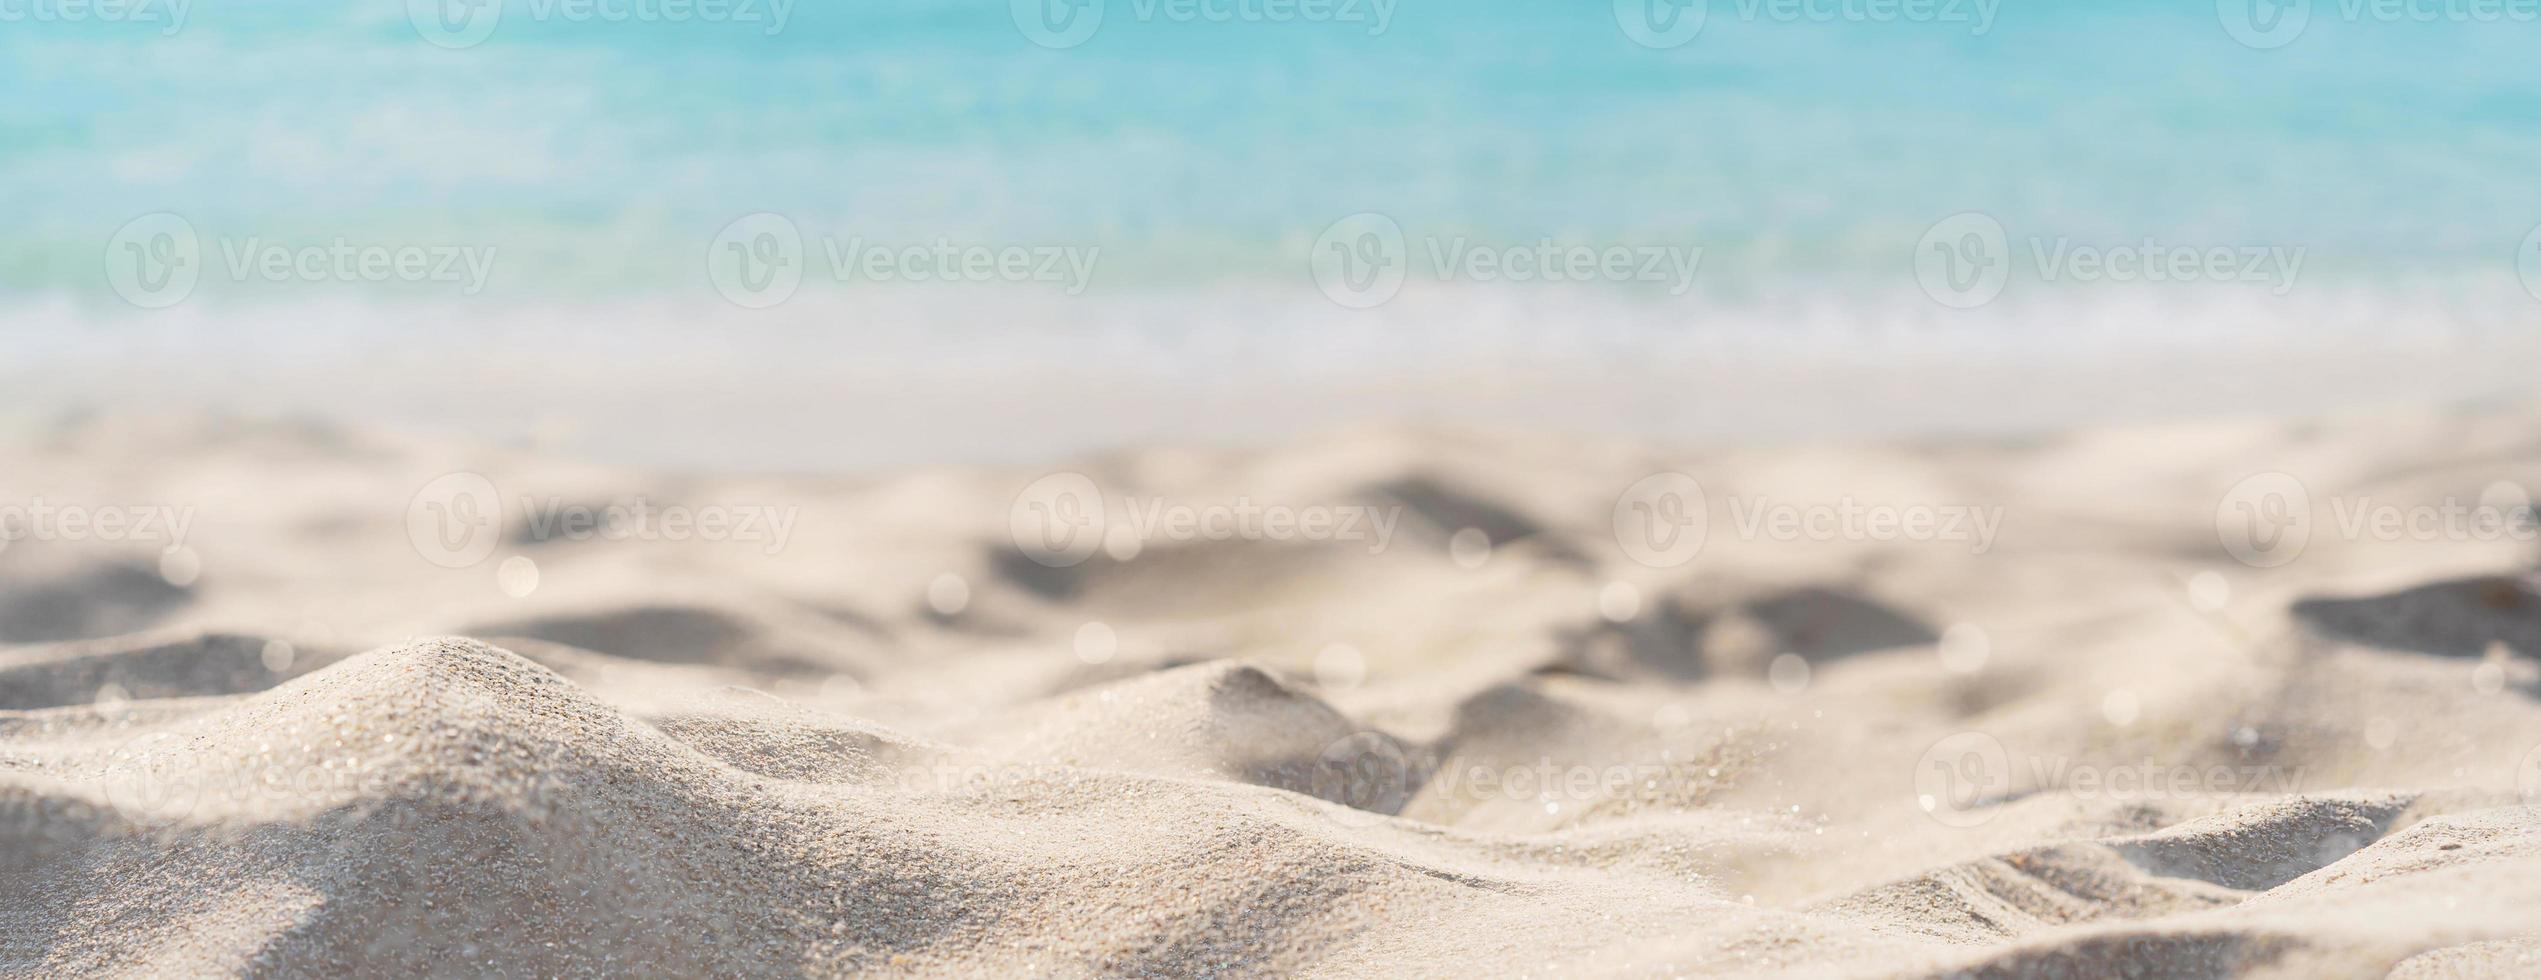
x: 2110, y: 704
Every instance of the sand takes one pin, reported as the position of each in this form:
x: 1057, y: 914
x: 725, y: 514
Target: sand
x: 2081, y: 721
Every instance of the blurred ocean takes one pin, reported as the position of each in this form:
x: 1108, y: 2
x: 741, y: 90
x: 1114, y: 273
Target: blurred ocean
x: 1196, y: 155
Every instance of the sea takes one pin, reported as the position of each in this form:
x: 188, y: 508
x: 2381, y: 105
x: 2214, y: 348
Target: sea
x: 1033, y: 207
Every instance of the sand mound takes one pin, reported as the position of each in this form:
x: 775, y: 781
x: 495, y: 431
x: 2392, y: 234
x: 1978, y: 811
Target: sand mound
x: 448, y: 802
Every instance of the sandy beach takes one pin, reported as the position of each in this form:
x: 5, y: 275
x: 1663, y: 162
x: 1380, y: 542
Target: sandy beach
x: 1246, y: 488
x: 2252, y: 699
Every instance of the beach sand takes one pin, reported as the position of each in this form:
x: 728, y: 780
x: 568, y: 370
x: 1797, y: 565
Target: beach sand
x: 1477, y: 704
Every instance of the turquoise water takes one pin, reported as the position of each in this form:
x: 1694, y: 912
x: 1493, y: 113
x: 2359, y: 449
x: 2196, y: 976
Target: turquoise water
x: 1805, y: 156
